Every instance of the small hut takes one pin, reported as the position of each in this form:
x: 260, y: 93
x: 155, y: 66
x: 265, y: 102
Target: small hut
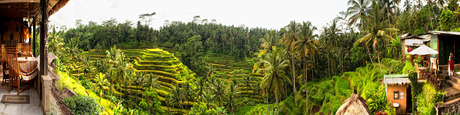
x: 397, y: 88
x: 355, y: 105
x: 412, y: 41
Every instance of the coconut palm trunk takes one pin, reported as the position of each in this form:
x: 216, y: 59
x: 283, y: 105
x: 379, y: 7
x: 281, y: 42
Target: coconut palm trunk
x: 378, y: 59
x: 268, y: 107
x: 328, y: 64
x: 277, y: 103
x: 306, y: 81
x: 293, y: 77
x: 369, y: 54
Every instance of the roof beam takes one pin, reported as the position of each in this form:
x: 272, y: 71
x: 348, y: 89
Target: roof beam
x: 18, y: 1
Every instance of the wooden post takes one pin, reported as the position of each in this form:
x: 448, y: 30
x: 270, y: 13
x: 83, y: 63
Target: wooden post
x: 44, y: 78
x: 44, y: 38
x: 33, y: 37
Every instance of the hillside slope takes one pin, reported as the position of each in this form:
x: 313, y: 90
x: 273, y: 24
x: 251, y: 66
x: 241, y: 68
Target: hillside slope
x: 155, y: 62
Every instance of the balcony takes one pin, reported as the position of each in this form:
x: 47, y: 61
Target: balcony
x: 33, y: 108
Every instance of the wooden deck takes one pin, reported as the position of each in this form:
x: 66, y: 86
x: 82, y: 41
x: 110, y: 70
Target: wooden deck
x: 33, y: 108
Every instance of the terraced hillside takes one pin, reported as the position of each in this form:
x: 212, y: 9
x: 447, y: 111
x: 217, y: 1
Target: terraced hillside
x: 228, y: 68
x: 171, y: 72
x: 156, y: 62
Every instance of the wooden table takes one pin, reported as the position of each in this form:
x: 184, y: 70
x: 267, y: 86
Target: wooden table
x: 28, y: 67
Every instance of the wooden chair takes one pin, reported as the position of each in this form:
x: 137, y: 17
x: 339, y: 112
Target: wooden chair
x: 4, y: 72
x: 12, y: 60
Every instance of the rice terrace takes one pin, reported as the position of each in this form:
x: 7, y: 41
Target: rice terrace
x: 205, y: 57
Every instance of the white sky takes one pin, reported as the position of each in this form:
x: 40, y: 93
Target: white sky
x: 251, y: 13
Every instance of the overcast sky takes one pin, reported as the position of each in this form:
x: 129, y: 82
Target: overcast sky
x: 251, y: 13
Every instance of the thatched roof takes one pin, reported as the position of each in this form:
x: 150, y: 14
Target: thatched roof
x: 355, y: 105
x: 19, y: 9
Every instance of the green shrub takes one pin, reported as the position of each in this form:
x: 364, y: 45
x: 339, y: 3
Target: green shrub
x: 342, y: 86
x: 288, y: 107
x: 419, y: 32
x: 407, y: 68
x: 150, y: 102
x: 201, y: 109
x: 395, y: 65
x: 455, y: 29
x: 416, y: 88
x: 376, y: 98
x: 83, y: 105
x: 427, y: 98
x: 86, y: 83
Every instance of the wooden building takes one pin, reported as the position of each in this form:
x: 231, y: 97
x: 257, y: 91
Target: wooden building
x: 18, y: 22
x: 412, y: 41
x: 398, y: 92
x: 445, y: 42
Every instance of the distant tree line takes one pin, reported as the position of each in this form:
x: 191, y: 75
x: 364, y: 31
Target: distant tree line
x: 217, y: 38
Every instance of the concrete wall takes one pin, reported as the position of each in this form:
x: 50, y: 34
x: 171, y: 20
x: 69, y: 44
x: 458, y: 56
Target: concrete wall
x: 402, y: 89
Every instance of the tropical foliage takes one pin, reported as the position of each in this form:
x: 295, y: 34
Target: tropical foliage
x: 202, y: 67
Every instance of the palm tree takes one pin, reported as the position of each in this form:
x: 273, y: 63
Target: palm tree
x: 357, y: 11
x: 152, y: 80
x: 87, y: 66
x: 390, y: 8
x: 292, y: 31
x: 201, y: 84
x: 269, y: 40
x: 72, y: 47
x: 306, y: 46
x: 232, y: 96
x: 440, y: 3
x: 407, y: 5
x: 176, y: 96
x: 101, y: 85
x: 330, y: 39
x: 218, y: 90
x: 274, y: 75
x: 115, y: 56
x: 56, y: 42
x: 376, y: 29
x: 247, y: 81
x: 211, y: 71
x: 207, y: 96
x: 187, y: 92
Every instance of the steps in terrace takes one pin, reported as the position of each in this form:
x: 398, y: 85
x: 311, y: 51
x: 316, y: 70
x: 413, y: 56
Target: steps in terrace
x: 172, y: 110
x: 452, y: 96
x: 454, y: 81
x: 224, y: 69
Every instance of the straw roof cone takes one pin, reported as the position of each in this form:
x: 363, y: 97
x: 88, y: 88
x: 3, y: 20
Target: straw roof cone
x: 423, y: 50
x: 355, y: 105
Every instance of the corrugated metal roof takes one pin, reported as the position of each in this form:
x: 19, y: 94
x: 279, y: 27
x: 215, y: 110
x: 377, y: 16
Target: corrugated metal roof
x: 396, y: 76
x: 413, y: 42
x: 425, y: 38
x: 396, y: 79
x: 444, y: 33
x: 400, y: 81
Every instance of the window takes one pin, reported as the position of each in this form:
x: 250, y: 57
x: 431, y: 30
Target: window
x: 396, y: 94
x: 402, y: 95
